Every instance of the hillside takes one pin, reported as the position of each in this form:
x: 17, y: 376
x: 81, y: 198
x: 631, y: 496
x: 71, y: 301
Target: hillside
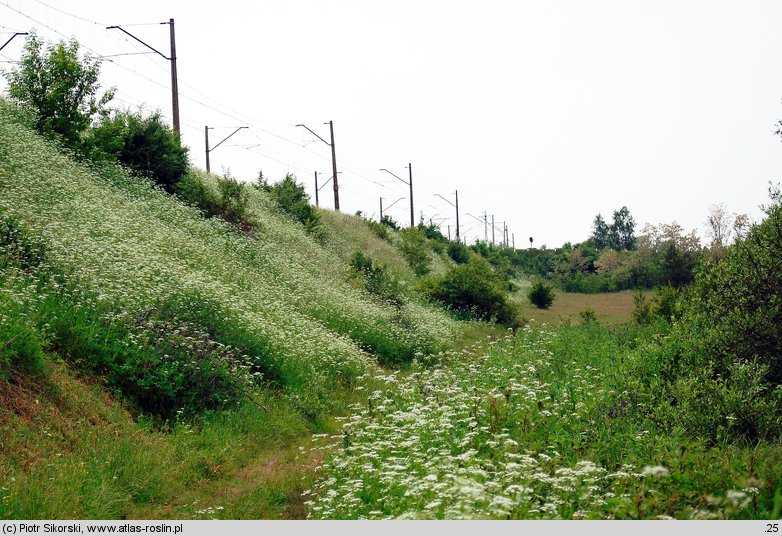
x: 133, y: 305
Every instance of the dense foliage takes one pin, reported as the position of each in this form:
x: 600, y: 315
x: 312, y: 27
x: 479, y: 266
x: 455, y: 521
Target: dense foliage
x: 547, y: 424
x: 540, y: 295
x: 377, y: 279
x: 414, y: 247
x: 475, y: 289
x: 723, y: 358
x: 59, y: 86
x: 145, y: 145
x: 293, y: 199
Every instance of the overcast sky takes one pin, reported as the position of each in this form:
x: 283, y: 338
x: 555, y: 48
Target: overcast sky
x: 542, y: 113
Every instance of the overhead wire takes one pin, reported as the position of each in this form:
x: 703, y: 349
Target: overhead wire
x: 255, y: 124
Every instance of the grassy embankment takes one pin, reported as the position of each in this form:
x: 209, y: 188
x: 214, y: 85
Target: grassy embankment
x: 158, y: 364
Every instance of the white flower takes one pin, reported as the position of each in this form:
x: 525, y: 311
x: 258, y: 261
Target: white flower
x: 655, y: 470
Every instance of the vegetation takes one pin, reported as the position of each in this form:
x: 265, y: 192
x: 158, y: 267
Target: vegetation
x: 545, y: 424
x: 473, y: 288
x: 377, y: 279
x: 60, y: 87
x: 144, y: 145
x: 541, y: 295
x: 170, y: 359
x: 415, y: 249
x: 293, y: 200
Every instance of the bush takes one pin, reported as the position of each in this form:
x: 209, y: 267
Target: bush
x: 376, y: 278
x: 232, y: 204
x: 145, y: 145
x: 643, y: 313
x: 474, y: 289
x: 458, y: 252
x: 173, y: 358
x: 16, y: 247
x: 588, y: 316
x: 389, y: 222
x: 667, y: 305
x: 541, y: 295
x: 380, y: 230
x: 414, y: 247
x: 722, y: 358
x: 292, y: 198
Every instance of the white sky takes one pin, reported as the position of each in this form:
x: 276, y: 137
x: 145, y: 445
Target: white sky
x: 541, y: 113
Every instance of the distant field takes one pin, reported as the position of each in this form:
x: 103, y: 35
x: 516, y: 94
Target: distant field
x: 610, y: 308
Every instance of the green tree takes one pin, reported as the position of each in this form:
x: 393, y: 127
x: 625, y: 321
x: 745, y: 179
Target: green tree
x: 621, y: 235
x: 600, y: 232
x: 59, y: 87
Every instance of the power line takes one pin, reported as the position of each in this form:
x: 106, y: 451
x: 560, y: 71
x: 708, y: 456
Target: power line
x: 70, y: 14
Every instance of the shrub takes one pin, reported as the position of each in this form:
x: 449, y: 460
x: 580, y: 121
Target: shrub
x: 722, y: 358
x: 458, y: 252
x: 643, y: 313
x: 667, y: 305
x: 233, y: 200
x: 146, y: 145
x: 541, y: 295
x: 588, y: 316
x: 380, y: 230
x: 737, y: 301
x: 376, y: 278
x: 414, y: 247
x: 16, y: 247
x: 475, y: 289
x: 292, y: 198
x: 172, y: 358
x: 389, y: 222
x: 192, y: 190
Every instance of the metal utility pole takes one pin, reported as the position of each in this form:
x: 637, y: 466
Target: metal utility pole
x: 513, y: 238
x: 316, y: 189
x: 505, y: 227
x: 172, y: 59
x: 206, y: 146
x: 456, y: 206
x: 12, y: 38
x: 206, y: 140
x: 174, y: 83
x: 381, y: 208
x: 333, y: 159
x: 485, y: 228
x: 457, y: 213
x: 334, y: 167
x: 492, y: 229
x: 409, y: 183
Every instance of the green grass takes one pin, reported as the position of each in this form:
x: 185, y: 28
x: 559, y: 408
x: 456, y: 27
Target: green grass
x: 71, y: 452
x: 610, y: 308
x: 115, y: 340
x: 549, y: 424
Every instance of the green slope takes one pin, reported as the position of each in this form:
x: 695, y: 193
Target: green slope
x: 132, y: 289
